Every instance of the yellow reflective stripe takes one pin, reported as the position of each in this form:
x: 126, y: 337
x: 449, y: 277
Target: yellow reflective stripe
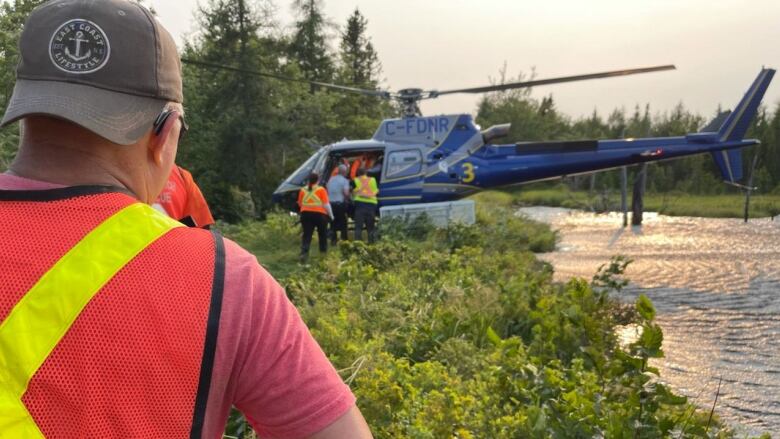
x: 364, y: 190
x: 46, y: 312
x: 310, y: 198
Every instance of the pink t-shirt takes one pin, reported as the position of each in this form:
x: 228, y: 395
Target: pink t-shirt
x: 266, y: 363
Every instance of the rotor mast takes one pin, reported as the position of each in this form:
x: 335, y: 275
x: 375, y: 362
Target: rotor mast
x: 409, y: 98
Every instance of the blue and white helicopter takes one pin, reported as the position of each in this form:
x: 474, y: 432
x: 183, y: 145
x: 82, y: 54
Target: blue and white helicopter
x: 419, y: 159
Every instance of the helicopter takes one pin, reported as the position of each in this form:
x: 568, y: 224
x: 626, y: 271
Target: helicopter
x: 417, y: 159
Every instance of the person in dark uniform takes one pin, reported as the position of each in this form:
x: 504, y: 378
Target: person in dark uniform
x: 366, y: 203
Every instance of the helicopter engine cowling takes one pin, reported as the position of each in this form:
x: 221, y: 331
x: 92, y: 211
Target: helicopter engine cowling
x: 496, y: 132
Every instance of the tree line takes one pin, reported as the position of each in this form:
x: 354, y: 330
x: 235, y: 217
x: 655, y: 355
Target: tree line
x: 248, y: 132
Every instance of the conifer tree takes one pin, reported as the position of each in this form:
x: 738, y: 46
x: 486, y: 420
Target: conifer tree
x: 309, y: 46
x: 233, y: 113
x: 360, y: 65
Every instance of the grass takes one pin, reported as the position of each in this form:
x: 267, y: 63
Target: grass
x: 672, y: 203
x: 276, y: 241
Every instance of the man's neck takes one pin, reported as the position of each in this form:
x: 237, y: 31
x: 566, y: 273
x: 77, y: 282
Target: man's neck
x: 71, y: 168
x: 59, y: 152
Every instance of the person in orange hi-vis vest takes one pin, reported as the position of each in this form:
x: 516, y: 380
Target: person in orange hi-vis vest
x: 364, y: 161
x: 116, y: 320
x: 315, y: 211
x: 182, y: 200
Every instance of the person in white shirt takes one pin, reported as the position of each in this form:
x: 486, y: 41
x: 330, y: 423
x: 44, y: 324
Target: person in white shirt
x: 339, y: 194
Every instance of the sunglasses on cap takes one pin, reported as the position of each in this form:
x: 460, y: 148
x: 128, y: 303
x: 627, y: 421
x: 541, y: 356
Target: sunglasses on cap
x: 159, y: 123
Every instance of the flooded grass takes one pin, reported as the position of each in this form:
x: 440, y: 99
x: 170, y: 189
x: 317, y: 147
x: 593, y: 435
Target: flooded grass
x: 672, y: 203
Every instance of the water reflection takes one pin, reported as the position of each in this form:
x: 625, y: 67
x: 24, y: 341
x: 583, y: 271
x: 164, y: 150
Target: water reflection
x: 715, y: 283
x: 627, y: 334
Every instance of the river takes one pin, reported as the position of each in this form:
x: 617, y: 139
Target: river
x: 716, y: 286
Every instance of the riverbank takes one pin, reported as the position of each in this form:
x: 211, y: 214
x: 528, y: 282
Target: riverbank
x: 462, y: 332
x: 672, y: 203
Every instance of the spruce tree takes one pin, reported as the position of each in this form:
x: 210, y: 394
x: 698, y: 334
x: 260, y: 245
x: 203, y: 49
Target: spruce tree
x: 309, y: 46
x: 233, y: 114
x: 360, y: 65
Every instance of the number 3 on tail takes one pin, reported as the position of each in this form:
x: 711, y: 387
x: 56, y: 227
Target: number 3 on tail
x: 468, y: 173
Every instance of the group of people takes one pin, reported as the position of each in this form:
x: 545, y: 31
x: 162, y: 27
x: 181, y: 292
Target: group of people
x: 320, y: 206
x: 116, y: 320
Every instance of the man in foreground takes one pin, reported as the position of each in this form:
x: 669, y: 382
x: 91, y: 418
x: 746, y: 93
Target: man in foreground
x: 116, y: 321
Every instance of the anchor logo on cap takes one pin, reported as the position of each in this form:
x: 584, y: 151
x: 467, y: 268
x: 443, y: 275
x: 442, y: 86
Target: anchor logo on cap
x: 79, y: 39
x: 79, y: 46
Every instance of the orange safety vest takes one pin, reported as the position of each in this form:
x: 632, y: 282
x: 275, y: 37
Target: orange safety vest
x: 109, y: 312
x: 313, y: 200
x: 361, y: 162
x: 183, y: 201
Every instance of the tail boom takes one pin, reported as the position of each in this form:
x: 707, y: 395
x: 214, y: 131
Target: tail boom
x: 739, y: 120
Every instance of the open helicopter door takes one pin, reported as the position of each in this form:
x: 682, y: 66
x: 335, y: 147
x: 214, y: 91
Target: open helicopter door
x: 286, y: 194
x: 402, y: 176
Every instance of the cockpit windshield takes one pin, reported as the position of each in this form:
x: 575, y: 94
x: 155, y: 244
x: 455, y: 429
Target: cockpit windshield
x: 298, y: 178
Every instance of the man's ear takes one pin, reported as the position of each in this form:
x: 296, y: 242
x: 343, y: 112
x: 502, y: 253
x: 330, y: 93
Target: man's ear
x: 158, y: 142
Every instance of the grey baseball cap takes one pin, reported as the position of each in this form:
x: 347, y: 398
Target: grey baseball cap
x: 106, y: 65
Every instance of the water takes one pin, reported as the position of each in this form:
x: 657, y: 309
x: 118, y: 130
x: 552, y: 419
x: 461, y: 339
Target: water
x: 716, y: 286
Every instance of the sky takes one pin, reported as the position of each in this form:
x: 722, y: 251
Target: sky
x: 718, y: 46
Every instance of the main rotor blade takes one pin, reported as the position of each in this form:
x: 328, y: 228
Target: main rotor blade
x: 526, y: 84
x: 363, y: 91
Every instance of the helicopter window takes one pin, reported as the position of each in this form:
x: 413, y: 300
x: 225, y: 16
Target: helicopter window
x: 300, y: 175
x: 404, y: 164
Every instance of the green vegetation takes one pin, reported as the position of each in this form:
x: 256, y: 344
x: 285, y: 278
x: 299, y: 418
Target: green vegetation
x: 672, y: 203
x: 461, y: 332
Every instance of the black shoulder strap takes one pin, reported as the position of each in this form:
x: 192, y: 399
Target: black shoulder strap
x: 212, y: 331
x: 60, y: 193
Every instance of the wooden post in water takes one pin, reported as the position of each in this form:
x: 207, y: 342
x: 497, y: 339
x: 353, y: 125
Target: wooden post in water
x: 637, y: 201
x: 623, y: 194
x: 749, y: 188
